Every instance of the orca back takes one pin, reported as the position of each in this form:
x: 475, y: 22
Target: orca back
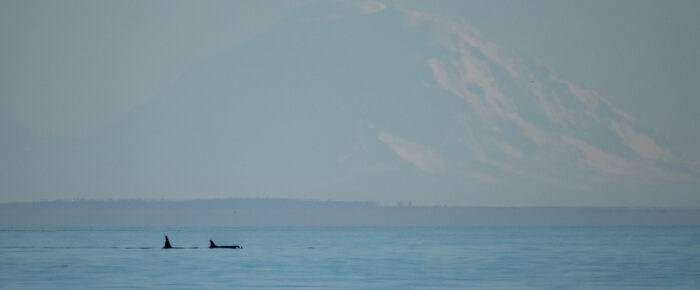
x: 213, y: 246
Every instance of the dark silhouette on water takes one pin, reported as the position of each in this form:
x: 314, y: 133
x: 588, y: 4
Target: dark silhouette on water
x: 214, y: 246
x: 168, y: 246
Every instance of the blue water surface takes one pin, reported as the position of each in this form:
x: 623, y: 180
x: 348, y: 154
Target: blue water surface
x: 379, y: 258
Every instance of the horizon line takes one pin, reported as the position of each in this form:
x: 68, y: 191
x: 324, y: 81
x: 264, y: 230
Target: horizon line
x: 398, y: 204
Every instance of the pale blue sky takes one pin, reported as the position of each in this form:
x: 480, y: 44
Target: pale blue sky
x: 456, y: 102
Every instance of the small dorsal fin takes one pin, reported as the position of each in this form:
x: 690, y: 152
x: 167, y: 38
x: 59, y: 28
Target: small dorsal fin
x: 211, y: 244
x: 167, y: 243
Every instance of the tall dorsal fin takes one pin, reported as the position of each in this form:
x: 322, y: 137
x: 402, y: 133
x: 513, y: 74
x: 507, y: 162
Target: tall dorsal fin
x: 211, y: 244
x: 167, y: 243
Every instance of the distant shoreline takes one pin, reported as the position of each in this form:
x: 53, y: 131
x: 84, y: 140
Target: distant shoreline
x: 277, y: 212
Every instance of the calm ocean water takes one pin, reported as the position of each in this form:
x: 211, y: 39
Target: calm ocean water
x: 384, y: 258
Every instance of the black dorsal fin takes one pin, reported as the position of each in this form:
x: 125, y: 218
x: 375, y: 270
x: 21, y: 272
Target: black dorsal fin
x: 211, y: 244
x: 167, y: 243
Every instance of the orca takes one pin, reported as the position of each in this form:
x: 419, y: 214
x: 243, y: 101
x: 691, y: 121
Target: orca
x: 214, y: 246
x: 168, y: 246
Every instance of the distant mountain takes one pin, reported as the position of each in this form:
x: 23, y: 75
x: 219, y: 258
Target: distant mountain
x: 286, y: 212
x: 414, y: 107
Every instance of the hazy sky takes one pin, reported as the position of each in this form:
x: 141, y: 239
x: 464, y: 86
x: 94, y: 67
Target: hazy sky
x: 505, y: 103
